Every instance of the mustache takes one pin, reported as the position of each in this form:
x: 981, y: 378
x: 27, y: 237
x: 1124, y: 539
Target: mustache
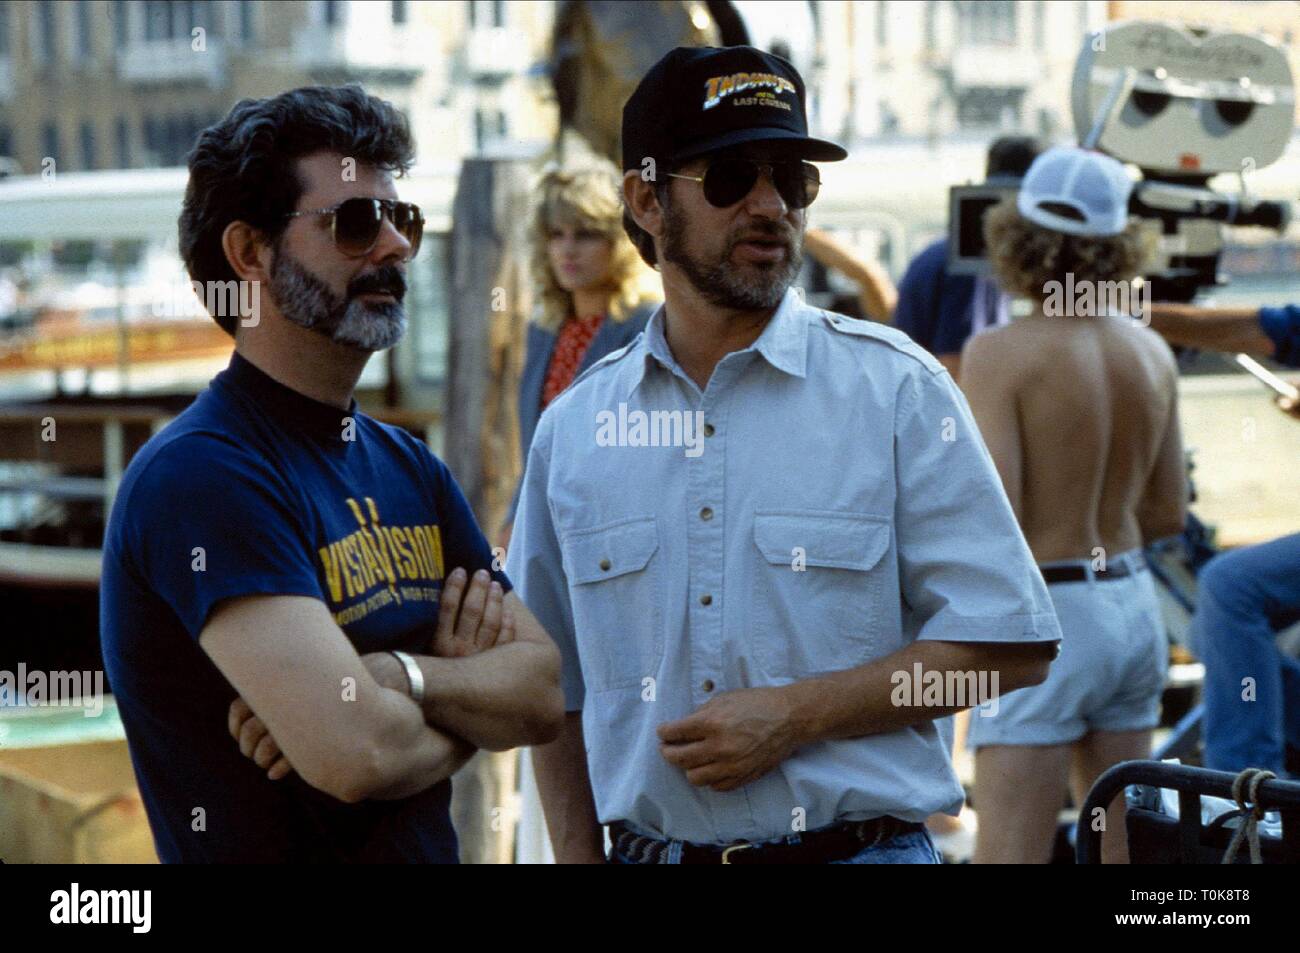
x: 385, y: 280
x: 768, y: 231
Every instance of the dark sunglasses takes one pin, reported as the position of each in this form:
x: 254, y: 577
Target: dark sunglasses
x: 727, y: 181
x: 356, y: 223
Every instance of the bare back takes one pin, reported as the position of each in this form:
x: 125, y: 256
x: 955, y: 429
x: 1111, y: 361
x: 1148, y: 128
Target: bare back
x: 1092, y: 405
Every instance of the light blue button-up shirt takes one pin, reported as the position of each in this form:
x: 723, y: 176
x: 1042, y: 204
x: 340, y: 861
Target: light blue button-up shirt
x: 825, y: 501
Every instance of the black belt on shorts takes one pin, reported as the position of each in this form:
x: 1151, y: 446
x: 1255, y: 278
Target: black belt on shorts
x: 838, y: 842
x: 1080, y: 573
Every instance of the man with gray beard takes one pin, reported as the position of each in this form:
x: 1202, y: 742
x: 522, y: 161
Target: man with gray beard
x: 732, y: 622
x: 301, y: 620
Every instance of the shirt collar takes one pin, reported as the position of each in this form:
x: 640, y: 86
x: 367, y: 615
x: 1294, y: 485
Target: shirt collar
x: 783, y: 342
x: 284, y: 404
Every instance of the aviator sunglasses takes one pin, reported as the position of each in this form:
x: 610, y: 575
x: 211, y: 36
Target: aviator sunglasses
x: 727, y: 181
x: 355, y: 223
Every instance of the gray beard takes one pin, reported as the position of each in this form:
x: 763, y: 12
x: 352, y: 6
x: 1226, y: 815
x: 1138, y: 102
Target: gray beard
x: 720, y: 282
x: 309, y: 303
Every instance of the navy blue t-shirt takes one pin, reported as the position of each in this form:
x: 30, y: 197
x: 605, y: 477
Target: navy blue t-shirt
x: 940, y: 311
x: 257, y: 489
x: 1282, y: 325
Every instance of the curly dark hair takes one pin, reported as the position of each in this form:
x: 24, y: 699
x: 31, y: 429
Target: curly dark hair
x: 243, y: 168
x: 1024, y: 256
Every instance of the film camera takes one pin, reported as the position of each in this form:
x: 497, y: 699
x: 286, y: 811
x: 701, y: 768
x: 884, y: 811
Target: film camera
x: 1182, y: 106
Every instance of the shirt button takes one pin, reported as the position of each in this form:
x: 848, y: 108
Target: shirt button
x: 706, y: 514
x: 708, y: 685
x: 604, y: 564
x: 706, y: 600
x: 708, y: 430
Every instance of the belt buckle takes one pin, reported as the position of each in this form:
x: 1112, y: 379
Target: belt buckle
x: 728, y: 851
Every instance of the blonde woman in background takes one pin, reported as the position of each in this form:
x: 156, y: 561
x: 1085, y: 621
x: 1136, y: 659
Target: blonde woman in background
x: 596, y: 293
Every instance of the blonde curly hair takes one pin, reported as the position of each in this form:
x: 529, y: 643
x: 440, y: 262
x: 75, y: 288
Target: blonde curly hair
x: 1025, y: 256
x: 586, y: 198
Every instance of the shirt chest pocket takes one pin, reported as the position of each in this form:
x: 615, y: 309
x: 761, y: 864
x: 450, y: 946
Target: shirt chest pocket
x: 614, y: 586
x: 821, y: 598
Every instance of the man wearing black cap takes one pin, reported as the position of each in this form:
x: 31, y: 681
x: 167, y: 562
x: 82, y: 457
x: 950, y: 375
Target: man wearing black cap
x: 752, y: 529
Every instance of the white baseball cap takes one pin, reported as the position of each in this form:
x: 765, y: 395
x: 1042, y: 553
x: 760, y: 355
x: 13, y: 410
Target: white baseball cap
x: 1076, y: 191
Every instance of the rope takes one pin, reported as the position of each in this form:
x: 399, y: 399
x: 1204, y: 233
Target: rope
x: 1252, y: 813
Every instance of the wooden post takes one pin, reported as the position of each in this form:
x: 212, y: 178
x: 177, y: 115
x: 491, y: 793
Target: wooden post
x: 490, y: 301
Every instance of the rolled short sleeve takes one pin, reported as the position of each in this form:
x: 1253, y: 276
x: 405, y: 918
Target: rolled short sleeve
x: 534, y: 562
x: 209, y: 521
x: 965, y: 570
x: 1282, y: 325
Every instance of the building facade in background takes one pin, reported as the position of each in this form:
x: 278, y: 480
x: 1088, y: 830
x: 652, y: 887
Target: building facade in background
x: 99, y: 84
x: 937, y: 68
x: 103, y: 84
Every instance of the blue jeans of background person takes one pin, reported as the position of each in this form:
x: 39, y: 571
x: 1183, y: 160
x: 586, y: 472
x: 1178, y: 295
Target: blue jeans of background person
x: 1244, y: 598
x: 912, y: 847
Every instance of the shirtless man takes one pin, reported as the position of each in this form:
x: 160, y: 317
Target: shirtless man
x: 1080, y: 414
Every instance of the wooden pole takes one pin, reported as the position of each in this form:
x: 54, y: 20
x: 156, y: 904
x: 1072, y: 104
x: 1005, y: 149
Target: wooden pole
x: 489, y: 301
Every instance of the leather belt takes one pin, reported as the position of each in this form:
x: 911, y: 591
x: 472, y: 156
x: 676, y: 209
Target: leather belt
x: 838, y: 842
x: 1083, y: 572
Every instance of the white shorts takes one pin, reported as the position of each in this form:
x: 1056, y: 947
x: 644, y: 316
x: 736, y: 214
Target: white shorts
x: 1110, y: 673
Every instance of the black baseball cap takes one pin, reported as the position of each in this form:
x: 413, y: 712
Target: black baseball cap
x: 700, y: 99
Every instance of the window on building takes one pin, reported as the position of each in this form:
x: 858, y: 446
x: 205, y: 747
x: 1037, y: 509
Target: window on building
x: 4, y: 29
x: 50, y: 142
x: 6, y: 141
x: 173, y: 134
x: 121, y: 24
x: 989, y: 108
x: 498, y: 13
x: 202, y: 15
x: 399, y: 11
x: 82, y: 47
x: 1040, y: 26
x: 489, y: 127
x: 882, y: 23
x: 157, y: 20
x: 177, y: 19
x: 89, y: 156
x: 247, y: 29
x: 122, y: 135
x: 43, y: 38
x: 473, y: 12
x: 931, y: 23
x: 986, y: 22
x: 330, y: 12
x: 149, y: 134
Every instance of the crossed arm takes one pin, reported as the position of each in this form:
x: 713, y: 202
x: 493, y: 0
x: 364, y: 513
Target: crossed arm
x: 347, y: 724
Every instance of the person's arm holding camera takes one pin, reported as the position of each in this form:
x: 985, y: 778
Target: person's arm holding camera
x: 1263, y: 332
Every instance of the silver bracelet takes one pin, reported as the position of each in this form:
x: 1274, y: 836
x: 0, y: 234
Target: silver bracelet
x: 414, y: 677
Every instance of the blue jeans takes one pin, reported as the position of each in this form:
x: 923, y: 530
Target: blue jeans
x: 1245, y: 597
x: 912, y: 847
